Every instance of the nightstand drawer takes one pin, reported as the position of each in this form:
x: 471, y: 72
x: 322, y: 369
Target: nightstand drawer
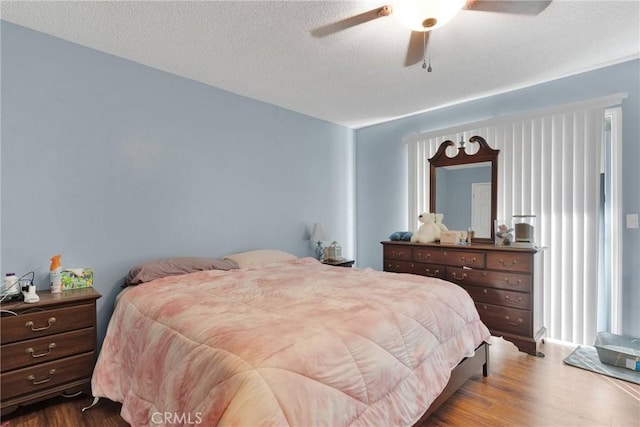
x: 48, y: 322
x: 39, y: 350
x: 45, y: 375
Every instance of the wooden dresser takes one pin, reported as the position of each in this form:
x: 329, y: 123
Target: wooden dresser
x: 48, y: 347
x: 504, y: 282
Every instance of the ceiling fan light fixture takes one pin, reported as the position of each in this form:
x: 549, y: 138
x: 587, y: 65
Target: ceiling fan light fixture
x: 426, y: 15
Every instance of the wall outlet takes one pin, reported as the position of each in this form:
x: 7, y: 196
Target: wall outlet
x: 632, y: 220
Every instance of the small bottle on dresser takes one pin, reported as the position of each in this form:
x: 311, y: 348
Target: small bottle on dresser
x: 55, y: 273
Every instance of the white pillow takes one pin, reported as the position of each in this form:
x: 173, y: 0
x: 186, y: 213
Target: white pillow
x: 258, y: 257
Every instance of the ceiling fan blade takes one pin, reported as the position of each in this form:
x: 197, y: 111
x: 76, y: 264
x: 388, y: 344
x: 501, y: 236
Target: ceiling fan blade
x: 416, y: 48
x: 517, y: 7
x: 370, y: 15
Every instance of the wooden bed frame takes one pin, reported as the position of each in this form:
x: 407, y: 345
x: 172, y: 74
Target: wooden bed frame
x: 460, y: 374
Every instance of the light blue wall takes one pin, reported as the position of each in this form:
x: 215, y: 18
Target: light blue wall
x: 381, y: 162
x: 111, y: 163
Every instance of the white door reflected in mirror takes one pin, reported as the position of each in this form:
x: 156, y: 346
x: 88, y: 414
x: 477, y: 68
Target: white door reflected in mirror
x: 481, y: 209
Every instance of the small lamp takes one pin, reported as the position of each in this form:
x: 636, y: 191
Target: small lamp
x: 317, y: 235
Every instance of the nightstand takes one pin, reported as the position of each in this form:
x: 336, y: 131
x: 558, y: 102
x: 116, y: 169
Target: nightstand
x: 339, y: 263
x: 48, y: 347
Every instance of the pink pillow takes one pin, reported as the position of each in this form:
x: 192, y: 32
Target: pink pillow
x: 164, y: 267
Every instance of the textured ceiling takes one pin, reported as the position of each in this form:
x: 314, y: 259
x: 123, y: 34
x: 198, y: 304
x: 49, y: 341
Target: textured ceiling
x: 283, y: 54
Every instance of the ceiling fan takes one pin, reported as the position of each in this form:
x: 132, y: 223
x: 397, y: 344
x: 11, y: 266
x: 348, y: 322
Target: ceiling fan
x: 422, y: 16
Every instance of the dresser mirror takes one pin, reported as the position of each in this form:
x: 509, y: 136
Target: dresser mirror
x: 464, y: 188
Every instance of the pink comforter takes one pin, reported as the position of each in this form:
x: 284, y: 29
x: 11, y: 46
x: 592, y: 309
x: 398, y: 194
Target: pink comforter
x: 287, y: 344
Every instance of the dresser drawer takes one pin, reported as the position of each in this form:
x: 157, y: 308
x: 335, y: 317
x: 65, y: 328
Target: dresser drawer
x: 396, y: 266
x: 510, y: 261
x: 449, y: 257
x: 499, y: 297
x: 422, y: 269
x: 505, y: 319
x: 397, y: 252
x: 39, y: 350
x: 429, y: 270
x: 47, y: 322
x: 45, y: 375
x: 495, y: 279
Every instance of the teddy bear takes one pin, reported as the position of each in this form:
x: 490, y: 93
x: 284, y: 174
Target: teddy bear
x: 429, y: 231
x: 439, y: 218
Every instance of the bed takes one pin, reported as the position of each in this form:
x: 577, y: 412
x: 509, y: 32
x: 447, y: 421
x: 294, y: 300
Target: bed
x: 290, y: 343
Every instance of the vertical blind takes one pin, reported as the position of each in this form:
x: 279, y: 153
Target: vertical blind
x: 549, y: 166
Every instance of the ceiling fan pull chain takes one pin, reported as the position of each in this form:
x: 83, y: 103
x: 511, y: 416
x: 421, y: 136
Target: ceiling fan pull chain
x: 429, y: 52
x: 424, y: 50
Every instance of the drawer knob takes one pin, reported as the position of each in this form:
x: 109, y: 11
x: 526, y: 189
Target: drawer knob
x: 455, y: 276
x: 515, y: 283
x: 31, y: 352
x: 427, y: 255
x: 50, y: 323
x: 513, y: 262
x: 508, y: 319
x: 434, y: 274
x: 392, y: 267
x: 32, y: 378
x: 397, y: 254
x: 473, y: 260
x: 508, y: 298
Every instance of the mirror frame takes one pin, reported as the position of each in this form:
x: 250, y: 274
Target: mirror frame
x: 484, y: 154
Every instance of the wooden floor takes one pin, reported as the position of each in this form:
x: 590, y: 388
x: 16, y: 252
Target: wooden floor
x: 521, y: 391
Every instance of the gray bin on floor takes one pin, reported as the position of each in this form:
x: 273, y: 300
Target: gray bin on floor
x: 618, y: 350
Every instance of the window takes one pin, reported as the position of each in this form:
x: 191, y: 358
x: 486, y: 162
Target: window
x: 610, y: 249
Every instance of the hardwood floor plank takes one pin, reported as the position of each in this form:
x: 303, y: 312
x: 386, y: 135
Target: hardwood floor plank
x: 526, y: 390
x: 66, y: 412
x: 521, y: 390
